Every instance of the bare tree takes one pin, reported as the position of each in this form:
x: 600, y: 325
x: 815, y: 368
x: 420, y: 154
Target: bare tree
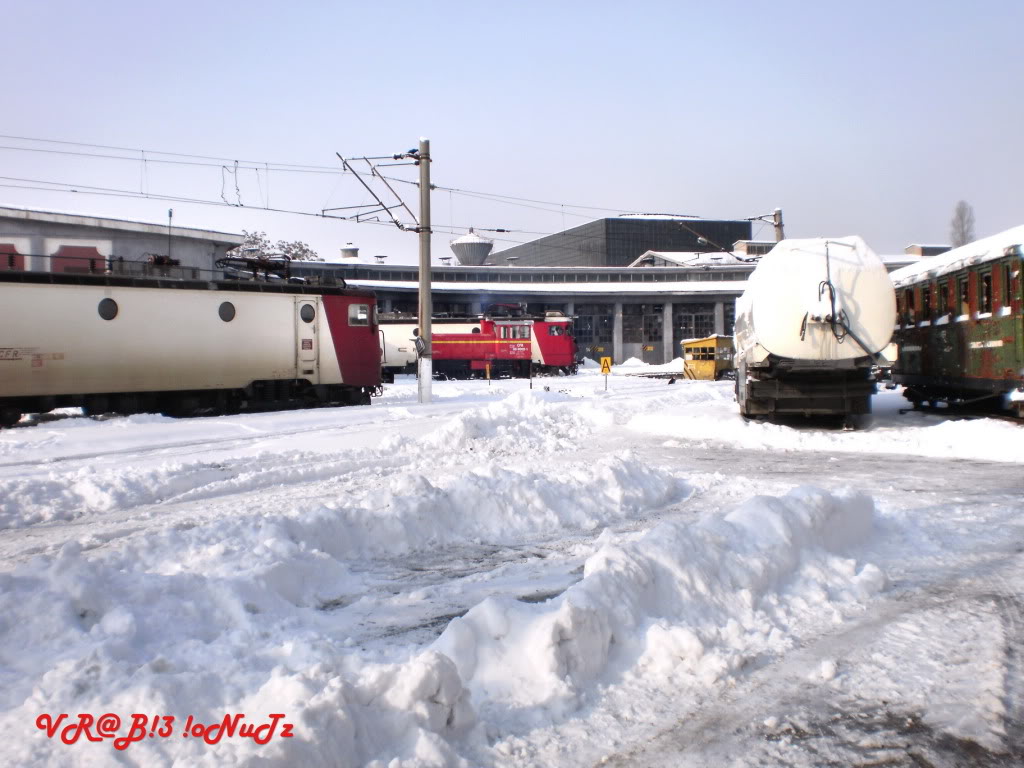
x: 961, y: 228
x: 296, y: 250
x: 256, y: 244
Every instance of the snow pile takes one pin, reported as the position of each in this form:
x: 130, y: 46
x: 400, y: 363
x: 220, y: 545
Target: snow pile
x: 535, y: 421
x: 111, y: 641
x: 165, y: 627
x: 702, y: 598
x: 706, y: 423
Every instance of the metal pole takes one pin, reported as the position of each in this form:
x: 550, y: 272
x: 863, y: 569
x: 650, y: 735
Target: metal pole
x: 170, y: 216
x: 425, y: 367
x: 777, y: 220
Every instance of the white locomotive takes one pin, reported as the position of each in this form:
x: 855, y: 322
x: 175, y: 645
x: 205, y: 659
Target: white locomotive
x: 126, y: 344
x: 813, y: 321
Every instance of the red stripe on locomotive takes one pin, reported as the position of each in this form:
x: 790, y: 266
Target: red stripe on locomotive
x: 355, y: 342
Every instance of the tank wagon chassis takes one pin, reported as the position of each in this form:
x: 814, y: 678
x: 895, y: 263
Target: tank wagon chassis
x: 778, y: 390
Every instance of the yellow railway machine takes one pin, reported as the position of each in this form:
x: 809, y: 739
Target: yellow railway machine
x: 707, y: 359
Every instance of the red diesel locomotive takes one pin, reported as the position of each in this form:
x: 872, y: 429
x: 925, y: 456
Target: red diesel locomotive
x: 501, y: 342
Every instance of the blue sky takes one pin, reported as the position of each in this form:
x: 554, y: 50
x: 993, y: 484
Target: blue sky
x: 869, y: 118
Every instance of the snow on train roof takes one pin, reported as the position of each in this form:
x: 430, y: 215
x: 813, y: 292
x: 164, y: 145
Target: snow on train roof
x: 978, y: 252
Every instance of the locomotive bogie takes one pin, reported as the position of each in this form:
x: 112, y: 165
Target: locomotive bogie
x: 197, y: 347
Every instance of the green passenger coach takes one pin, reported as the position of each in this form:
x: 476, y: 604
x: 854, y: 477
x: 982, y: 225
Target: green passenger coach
x: 960, y: 326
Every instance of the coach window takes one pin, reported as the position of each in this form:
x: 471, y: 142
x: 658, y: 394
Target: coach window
x: 107, y: 309
x: 226, y: 311
x: 986, y: 293
x: 307, y: 313
x: 943, y: 298
x: 963, y: 296
x: 358, y: 314
x: 908, y: 304
x: 1004, y: 291
x: 926, y: 302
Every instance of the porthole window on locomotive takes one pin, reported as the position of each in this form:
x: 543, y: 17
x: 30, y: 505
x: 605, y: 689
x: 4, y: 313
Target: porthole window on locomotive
x: 226, y: 311
x: 307, y: 313
x: 358, y: 314
x: 107, y: 309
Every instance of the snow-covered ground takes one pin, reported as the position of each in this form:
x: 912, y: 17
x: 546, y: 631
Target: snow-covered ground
x: 562, y: 576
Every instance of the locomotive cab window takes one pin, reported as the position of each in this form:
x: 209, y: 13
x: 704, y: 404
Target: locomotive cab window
x: 358, y: 314
x: 555, y: 330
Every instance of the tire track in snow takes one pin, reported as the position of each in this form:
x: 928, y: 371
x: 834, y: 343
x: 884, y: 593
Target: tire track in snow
x: 824, y: 726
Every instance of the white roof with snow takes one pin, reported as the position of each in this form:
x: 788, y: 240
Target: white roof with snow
x: 124, y: 225
x: 696, y: 258
x: 681, y: 286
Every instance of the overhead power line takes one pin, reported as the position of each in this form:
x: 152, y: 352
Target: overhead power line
x: 231, y: 165
x: 147, y: 155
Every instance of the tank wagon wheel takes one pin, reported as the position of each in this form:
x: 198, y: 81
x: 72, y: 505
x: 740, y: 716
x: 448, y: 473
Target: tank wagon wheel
x: 9, y: 417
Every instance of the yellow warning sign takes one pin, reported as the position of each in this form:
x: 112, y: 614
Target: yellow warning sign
x: 606, y: 365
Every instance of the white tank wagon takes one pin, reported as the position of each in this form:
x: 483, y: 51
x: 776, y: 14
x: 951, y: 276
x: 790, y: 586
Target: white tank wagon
x: 813, y: 321
x: 182, y: 347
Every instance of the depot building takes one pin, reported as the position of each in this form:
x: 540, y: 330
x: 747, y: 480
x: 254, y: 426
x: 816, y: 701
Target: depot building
x: 637, y: 285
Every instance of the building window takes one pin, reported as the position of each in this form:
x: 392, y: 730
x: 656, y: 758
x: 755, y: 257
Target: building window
x: 632, y: 323
x: 594, y: 327
x: 692, y: 321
